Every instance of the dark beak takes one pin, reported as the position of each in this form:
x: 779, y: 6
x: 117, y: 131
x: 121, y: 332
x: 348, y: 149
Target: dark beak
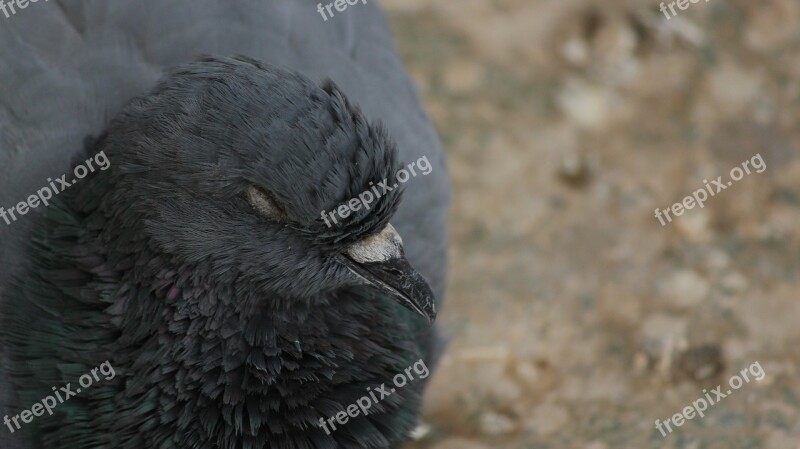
x: 380, y: 261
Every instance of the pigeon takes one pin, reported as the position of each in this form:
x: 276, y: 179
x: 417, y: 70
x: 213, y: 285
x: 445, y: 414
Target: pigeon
x: 197, y: 262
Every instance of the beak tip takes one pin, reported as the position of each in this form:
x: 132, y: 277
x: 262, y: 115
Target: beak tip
x: 430, y: 311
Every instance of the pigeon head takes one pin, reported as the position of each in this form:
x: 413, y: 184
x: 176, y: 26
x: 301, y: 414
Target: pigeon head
x: 229, y: 162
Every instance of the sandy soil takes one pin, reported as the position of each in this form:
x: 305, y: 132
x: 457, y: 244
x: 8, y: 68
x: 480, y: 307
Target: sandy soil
x: 576, y: 318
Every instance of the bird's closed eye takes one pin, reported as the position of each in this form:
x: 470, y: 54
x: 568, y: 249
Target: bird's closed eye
x: 265, y: 204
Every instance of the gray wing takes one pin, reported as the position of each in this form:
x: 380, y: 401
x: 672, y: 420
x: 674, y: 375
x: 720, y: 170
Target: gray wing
x: 66, y: 67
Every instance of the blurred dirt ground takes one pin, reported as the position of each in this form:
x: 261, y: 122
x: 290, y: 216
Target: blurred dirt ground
x: 577, y: 320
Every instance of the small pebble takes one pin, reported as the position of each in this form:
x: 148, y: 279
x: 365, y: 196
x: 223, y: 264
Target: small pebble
x: 700, y: 362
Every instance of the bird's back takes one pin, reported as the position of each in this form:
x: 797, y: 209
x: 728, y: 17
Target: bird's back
x: 68, y: 67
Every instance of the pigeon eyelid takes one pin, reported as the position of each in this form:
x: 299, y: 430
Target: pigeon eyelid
x: 264, y: 203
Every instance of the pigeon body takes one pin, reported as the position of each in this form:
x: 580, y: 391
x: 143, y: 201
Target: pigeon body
x: 198, y: 264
